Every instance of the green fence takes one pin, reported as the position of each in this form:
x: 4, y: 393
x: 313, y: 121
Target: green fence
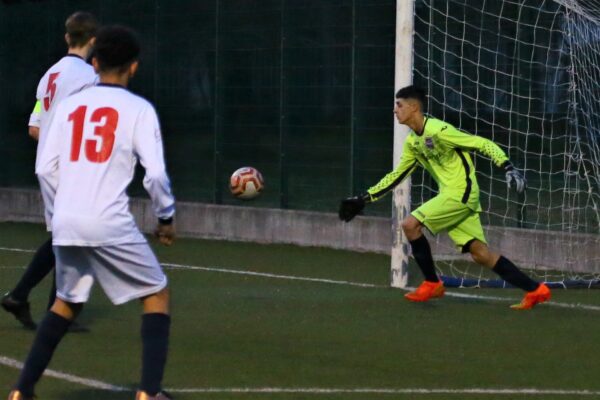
x: 300, y: 89
x: 303, y: 91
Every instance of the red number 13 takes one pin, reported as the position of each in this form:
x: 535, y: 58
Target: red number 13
x: 105, y: 131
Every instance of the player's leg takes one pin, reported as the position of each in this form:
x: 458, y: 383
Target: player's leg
x: 536, y: 292
x: 432, y: 287
x: 436, y: 215
x: 413, y: 229
x: 49, y: 334
x: 469, y: 236
x: 75, y: 326
x: 16, y: 301
x: 128, y: 272
x: 74, y: 280
x: 40, y: 265
x: 501, y: 265
x: 155, y: 342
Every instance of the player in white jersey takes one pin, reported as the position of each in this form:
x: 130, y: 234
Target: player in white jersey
x: 69, y: 75
x: 93, y: 144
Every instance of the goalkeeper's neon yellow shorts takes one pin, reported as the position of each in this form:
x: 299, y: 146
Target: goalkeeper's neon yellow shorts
x: 444, y: 213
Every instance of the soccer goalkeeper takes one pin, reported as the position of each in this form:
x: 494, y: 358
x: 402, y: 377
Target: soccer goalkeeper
x: 443, y: 151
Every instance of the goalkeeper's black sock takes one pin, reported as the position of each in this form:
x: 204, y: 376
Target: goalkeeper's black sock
x: 42, y: 263
x: 513, y: 275
x: 155, y: 343
x: 50, y: 332
x: 422, y: 254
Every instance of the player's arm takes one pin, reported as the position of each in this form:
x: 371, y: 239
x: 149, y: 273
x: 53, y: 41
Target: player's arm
x: 456, y: 138
x: 406, y: 166
x: 47, y: 165
x: 147, y: 144
x: 352, y: 206
x: 34, y: 121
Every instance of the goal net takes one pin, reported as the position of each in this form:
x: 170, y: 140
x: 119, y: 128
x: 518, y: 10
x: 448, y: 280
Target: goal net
x: 525, y: 74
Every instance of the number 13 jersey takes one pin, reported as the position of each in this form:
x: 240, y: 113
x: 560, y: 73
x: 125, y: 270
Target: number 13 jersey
x: 93, y: 143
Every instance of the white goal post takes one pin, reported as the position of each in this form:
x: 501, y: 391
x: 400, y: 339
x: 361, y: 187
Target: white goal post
x: 401, y: 201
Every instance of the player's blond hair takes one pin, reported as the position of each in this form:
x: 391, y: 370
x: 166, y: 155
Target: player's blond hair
x: 81, y: 27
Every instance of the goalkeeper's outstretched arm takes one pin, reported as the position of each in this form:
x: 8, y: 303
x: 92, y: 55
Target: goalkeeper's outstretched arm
x: 352, y: 206
x: 456, y: 138
x: 391, y: 180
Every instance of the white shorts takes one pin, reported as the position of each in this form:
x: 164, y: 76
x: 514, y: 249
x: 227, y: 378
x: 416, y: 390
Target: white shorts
x: 125, y: 272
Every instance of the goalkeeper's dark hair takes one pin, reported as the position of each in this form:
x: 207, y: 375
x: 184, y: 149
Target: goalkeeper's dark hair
x: 81, y: 27
x: 413, y: 92
x: 116, y: 48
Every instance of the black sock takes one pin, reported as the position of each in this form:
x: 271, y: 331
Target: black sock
x: 422, y: 254
x: 155, y: 343
x: 42, y: 263
x: 513, y: 275
x: 49, y: 334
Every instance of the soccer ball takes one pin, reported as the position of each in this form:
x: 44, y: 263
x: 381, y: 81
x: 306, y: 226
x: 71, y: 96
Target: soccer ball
x: 246, y: 183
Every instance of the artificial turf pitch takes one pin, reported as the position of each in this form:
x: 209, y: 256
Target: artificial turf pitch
x: 252, y: 331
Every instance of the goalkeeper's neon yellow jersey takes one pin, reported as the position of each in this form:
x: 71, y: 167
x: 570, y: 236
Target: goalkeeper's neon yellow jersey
x: 443, y: 151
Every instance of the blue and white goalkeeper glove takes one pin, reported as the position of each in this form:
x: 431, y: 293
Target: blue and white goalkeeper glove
x: 514, y: 178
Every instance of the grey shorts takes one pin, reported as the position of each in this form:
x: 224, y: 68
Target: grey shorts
x: 125, y: 272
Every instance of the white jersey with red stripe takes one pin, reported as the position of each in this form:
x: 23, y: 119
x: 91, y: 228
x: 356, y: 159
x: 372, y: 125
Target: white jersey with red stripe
x: 93, y: 144
x: 71, y: 74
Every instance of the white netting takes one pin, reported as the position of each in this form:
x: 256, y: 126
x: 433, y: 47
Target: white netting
x: 525, y: 74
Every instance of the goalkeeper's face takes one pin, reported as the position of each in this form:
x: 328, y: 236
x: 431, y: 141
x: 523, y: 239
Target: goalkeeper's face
x: 405, y: 109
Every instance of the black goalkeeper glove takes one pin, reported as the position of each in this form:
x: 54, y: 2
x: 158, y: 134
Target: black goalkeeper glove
x: 352, y: 206
x: 514, y: 178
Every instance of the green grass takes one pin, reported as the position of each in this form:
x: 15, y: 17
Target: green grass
x: 232, y: 330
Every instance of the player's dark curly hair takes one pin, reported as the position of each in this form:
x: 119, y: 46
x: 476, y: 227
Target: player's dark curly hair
x: 81, y: 26
x: 116, y: 48
x: 413, y: 92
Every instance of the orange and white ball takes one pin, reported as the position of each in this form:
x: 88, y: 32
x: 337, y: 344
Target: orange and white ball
x: 246, y: 183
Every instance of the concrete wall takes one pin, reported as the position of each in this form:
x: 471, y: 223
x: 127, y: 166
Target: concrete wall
x: 540, y: 249
x: 262, y: 225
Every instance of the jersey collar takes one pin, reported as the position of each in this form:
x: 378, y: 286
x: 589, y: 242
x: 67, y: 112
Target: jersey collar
x: 114, y: 85
x: 75, y: 55
x: 423, y: 130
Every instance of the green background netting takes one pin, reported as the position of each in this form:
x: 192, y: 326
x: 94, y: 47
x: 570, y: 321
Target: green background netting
x: 301, y: 90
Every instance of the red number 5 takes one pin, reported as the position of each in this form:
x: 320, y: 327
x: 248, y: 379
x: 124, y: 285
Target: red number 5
x: 106, y: 132
x: 50, y: 90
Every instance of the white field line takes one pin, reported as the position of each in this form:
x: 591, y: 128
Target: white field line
x: 96, y: 384
x: 467, y: 391
x: 577, y: 306
x: 93, y: 383
x: 268, y: 275
x: 17, y: 250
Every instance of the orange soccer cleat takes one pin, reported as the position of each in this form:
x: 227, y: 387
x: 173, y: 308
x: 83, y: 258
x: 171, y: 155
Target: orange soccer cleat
x: 539, y: 295
x: 427, y: 290
x: 16, y: 395
x: 141, y: 395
